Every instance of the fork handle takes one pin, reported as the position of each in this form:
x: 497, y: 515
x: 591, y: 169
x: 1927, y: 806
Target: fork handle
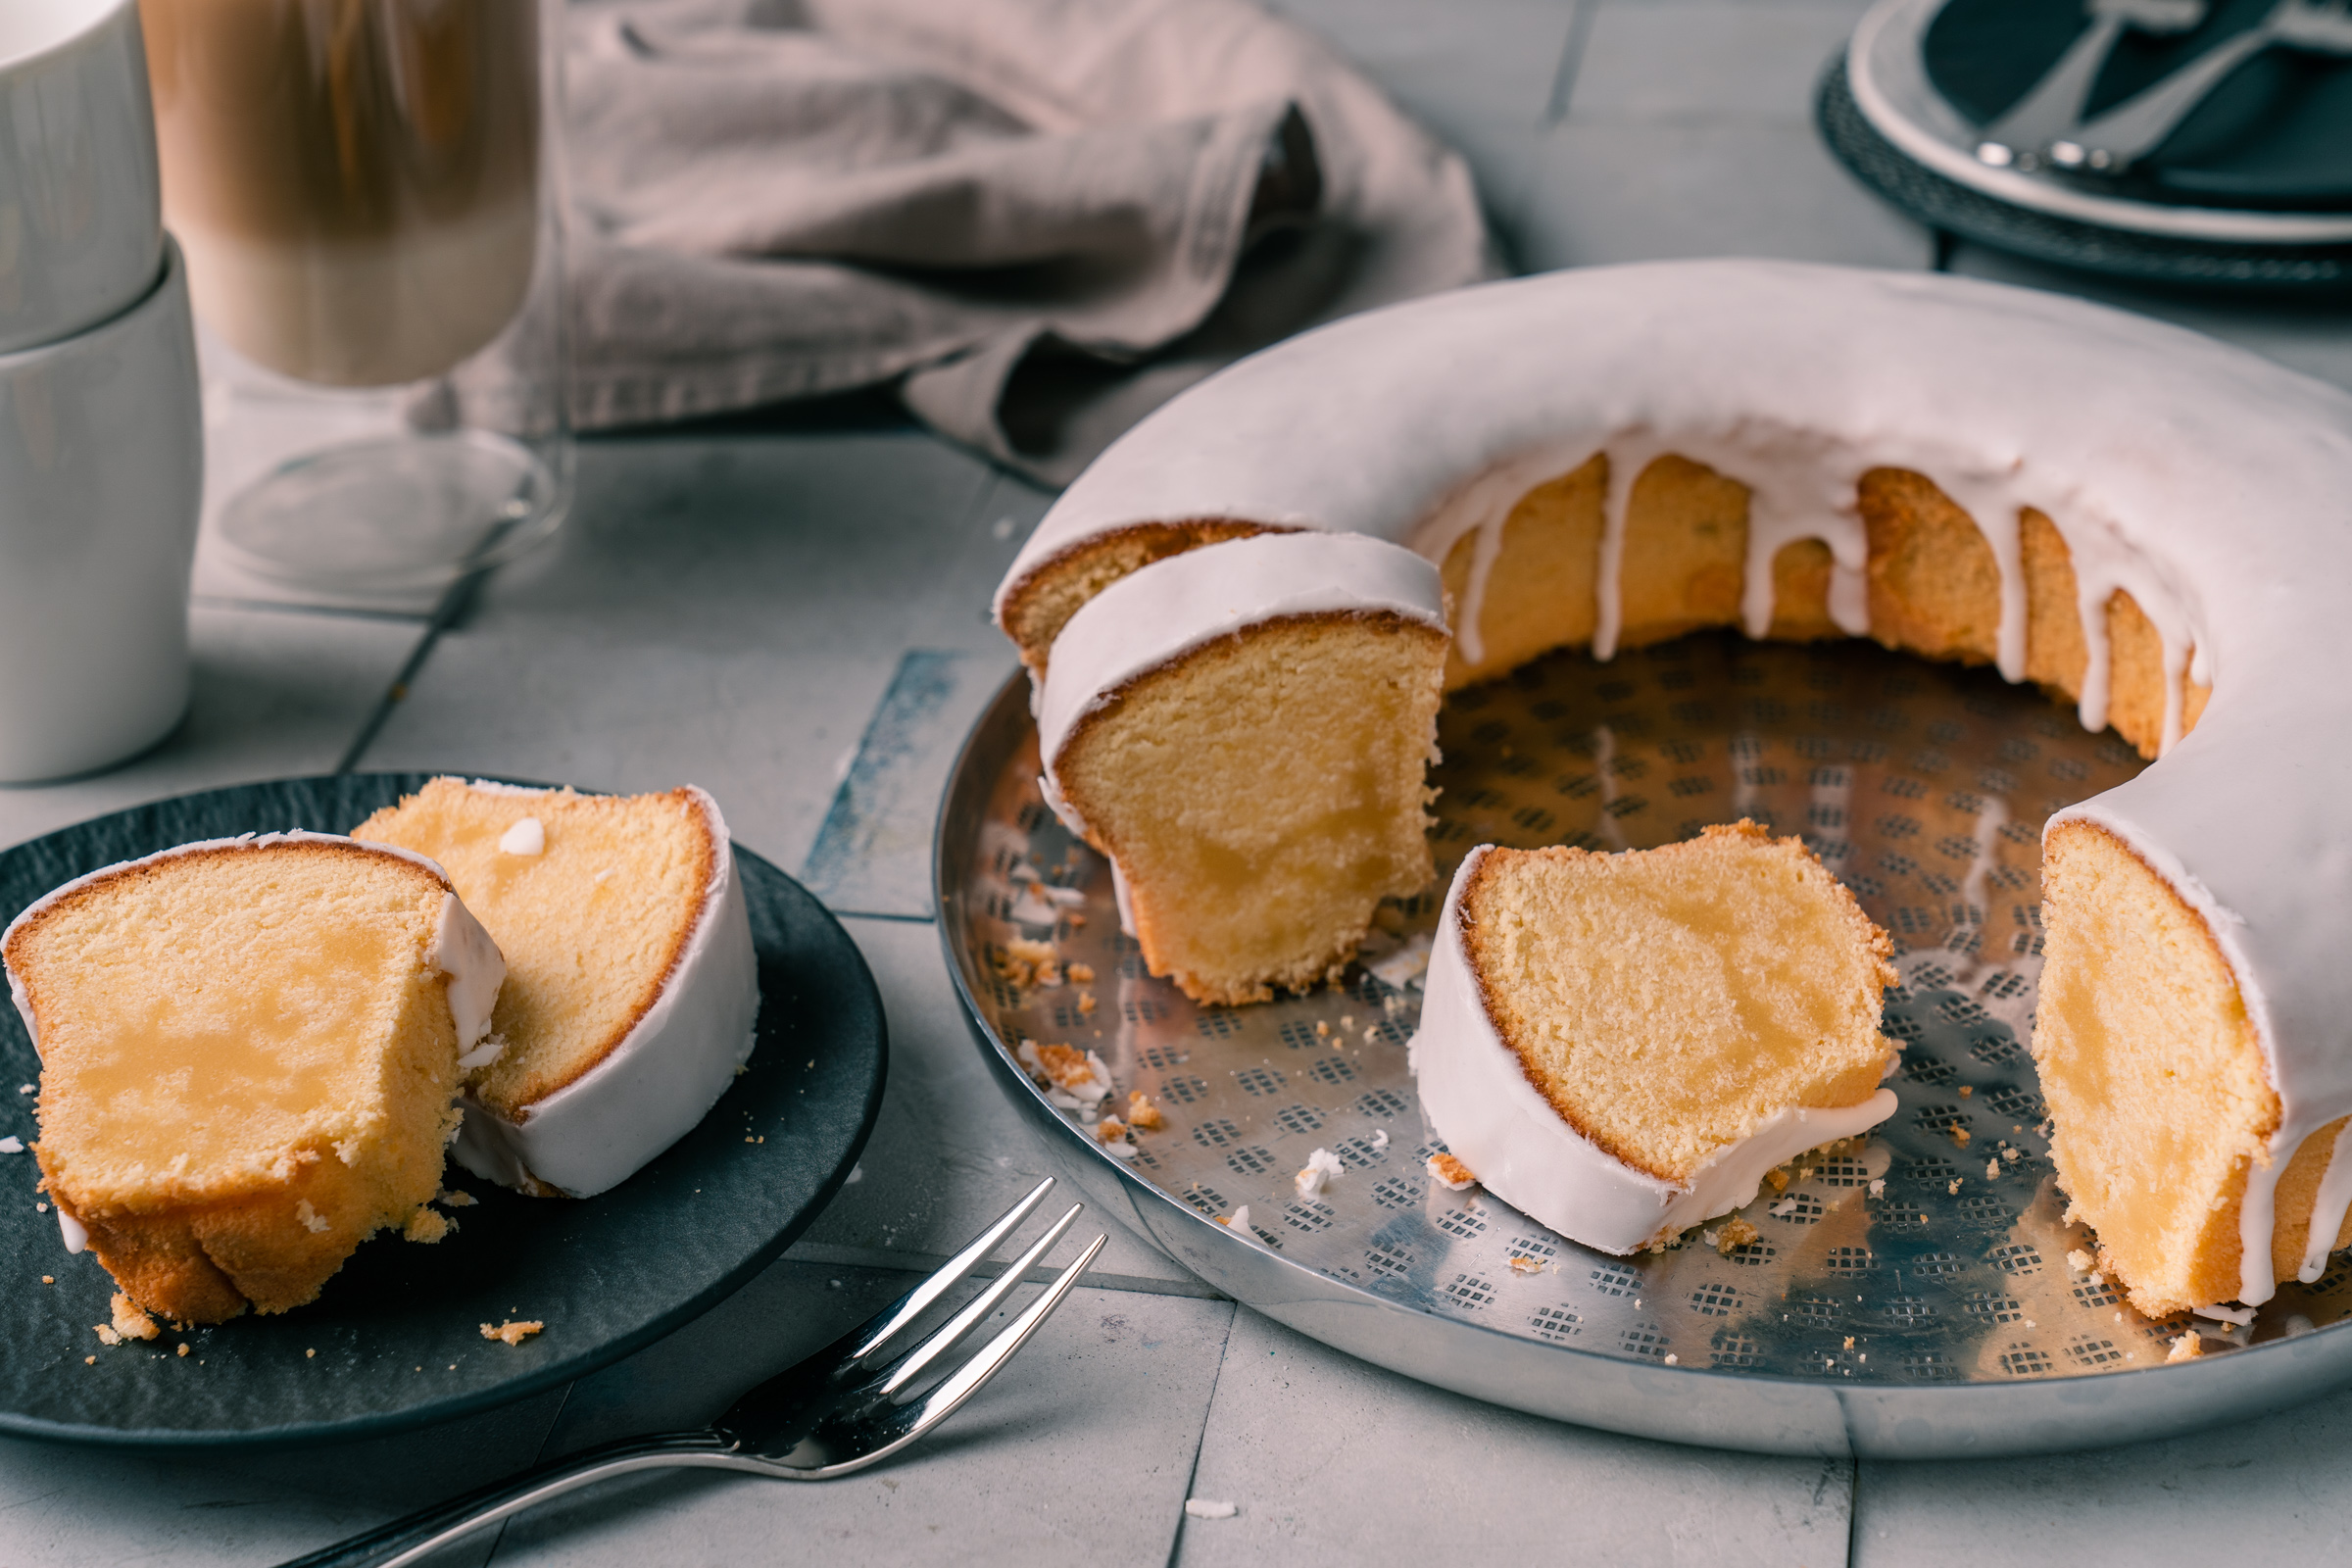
x: 408, y: 1539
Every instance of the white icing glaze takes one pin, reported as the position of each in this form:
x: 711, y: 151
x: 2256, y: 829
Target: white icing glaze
x: 1495, y: 1119
x: 463, y: 951
x: 1173, y: 606
x: 527, y: 836
x: 76, y: 1235
x: 664, y: 1075
x: 2213, y: 485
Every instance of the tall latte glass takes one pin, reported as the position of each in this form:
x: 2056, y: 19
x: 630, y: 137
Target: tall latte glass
x: 367, y: 193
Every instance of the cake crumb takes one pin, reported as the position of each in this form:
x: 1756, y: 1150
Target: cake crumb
x: 1086, y: 1004
x: 427, y: 1225
x: 1993, y: 1170
x: 513, y: 1332
x: 1023, y: 962
x: 1110, y: 1130
x: 2078, y: 1261
x: 48, y: 1279
x: 106, y: 1336
x: 1322, y: 1168
x: 1526, y: 1265
x: 1080, y: 973
x: 1736, y: 1233
x: 2012, y: 1154
x: 1952, y: 1186
x: 312, y: 1220
x: 131, y: 1322
x: 1322, y: 1029
x: 1849, y: 1341
x: 1779, y: 1179
x: 1074, y: 1079
x: 1967, y: 1090
x: 455, y: 1199
x: 1143, y: 1114
x: 89, y: 1360
x: 183, y: 1347
x: 1380, y: 1138
x: 1960, y: 1136
x: 2187, y: 1348
x: 310, y: 1355
x: 1673, y: 1360
x: 1451, y: 1173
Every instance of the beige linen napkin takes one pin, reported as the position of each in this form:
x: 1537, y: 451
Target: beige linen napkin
x: 1039, y: 218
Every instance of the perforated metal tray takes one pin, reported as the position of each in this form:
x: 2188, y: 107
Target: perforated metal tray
x: 1911, y: 1299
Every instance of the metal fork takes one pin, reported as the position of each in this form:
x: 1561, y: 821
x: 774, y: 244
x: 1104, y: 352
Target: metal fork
x: 2133, y: 129
x: 2053, y: 108
x: 828, y: 1417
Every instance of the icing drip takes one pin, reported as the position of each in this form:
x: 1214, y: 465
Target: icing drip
x: 2217, y: 501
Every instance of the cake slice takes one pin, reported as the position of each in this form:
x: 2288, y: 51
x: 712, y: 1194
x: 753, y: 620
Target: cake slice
x: 249, y: 1057
x: 1622, y: 1045
x: 631, y: 990
x: 1246, y: 731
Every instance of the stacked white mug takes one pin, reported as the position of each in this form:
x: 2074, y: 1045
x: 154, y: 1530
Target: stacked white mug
x: 101, y: 436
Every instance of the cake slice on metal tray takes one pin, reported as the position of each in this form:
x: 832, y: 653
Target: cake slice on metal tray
x: 631, y: 988
x: 1246, y: 732
x: 249, y: 1049
x: 1621, y: 1045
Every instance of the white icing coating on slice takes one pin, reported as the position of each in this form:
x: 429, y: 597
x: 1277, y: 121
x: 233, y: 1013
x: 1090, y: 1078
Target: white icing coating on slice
x: 1174, y: 606
x: 2213, y: 485
x: 1493, y: 1117
x: 664, y: 1075
x: 527, y: 836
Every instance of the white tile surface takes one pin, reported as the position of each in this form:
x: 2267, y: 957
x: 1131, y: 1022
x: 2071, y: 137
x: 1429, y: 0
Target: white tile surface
x: 1638, y: 189
x: 2273, y: 1491
x: 1331, y: 1461
x: 65, y: 1507
x: 1076, y: 1454
x: 721, y: 609
x: 276, y: 692
x: 1705, y: 59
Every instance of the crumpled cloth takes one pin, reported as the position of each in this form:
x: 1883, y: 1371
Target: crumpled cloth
x: 1039, y: 219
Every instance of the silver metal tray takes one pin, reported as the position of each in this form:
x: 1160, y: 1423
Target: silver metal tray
x: 1913, y: 1298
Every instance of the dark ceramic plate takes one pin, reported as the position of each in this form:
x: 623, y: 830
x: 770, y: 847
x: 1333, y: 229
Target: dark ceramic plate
x: 397, y: 1331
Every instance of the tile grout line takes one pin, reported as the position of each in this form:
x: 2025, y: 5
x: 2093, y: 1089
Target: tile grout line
x: 1853, y: 1505
x: 1200, y: 1441
x: 1572, y: 59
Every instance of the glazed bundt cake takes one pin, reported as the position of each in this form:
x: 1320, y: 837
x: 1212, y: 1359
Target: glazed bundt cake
x: 1615, y: 456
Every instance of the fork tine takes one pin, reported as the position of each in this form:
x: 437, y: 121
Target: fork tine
x: 920, y: 1416
x: 877, y: 1330
x: 953, y: 1332
x: 941, y: 1402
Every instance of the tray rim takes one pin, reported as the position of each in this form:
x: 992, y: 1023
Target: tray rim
x: 1768, y: 1413
x: 381, y: 1424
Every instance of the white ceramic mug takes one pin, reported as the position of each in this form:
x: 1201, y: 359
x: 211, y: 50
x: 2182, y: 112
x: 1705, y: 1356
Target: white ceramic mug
x: 80, y: 218
x: 101, y: 475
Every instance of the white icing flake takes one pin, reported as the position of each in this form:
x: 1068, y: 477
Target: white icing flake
x: 76, y: 1234
x: 463, y: 951
x: 528, y: 836
x: 1323, y: 1167
x: 12, y: 1146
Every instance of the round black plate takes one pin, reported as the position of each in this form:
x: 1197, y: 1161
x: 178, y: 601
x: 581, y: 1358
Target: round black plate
x: 396, y: 1332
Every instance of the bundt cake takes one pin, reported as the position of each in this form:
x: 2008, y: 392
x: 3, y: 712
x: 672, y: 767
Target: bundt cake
x: 631, y: 989
x: 249, y: 1052
x: 2136, y: 517
x: 1622, y: 1045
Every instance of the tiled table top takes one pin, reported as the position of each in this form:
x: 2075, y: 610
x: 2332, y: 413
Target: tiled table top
x: 792, y: 612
